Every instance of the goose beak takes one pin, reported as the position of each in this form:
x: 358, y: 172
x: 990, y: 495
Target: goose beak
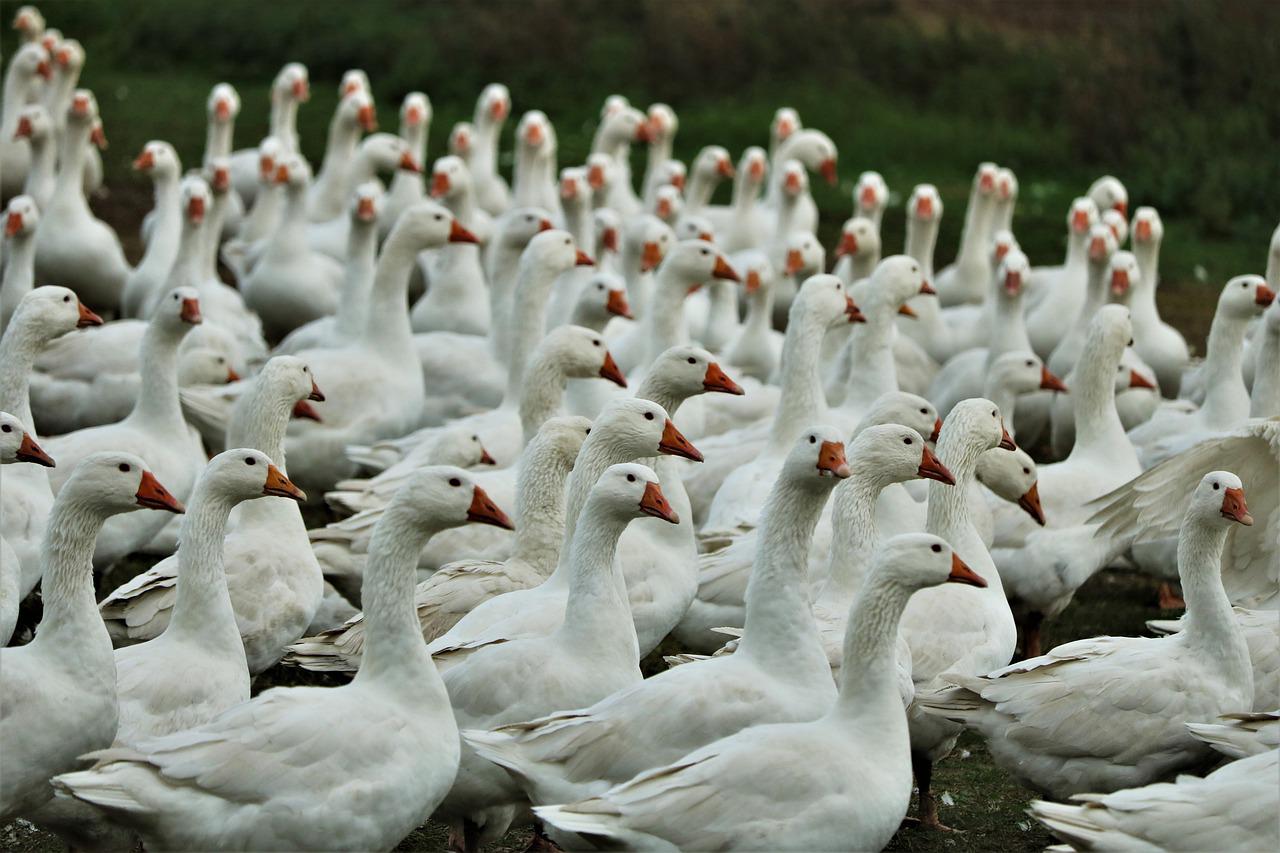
x: 828, y: 170
x: 650, y: 257
x: 715, y: 379
x: 931, y: 468
x: 316, y: 394
x: 458, y: 234
x: 723, y: 270
x: 1006, y: 440
x: 1049, y: 382
x: 486, y: 459
x: 1264, y: 296
x: 279, y: 486
x: 484, y: 511
x: 1137, y: 380
x: 1234, y: 507
x: 617, y: 304
x: 831, y: 460
x: 907, y: 311
x: 851, y: 311
x: 675, y: 444
x: 87, y: 318
x: 848, y: 245
x: 191, y: 311
x: 1030, y: 503
x: 439, y: 185
x: 609, y: 370
x: 937, y: 431
x: 152, y: 495
x: 961, y: 573
x: 29, y: 451
x: 655, y: 503
x: 583, y: 260
x: 304, y: 411
x: 795, y: 262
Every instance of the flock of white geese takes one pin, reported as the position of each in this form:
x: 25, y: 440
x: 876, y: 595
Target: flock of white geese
x: 566, y: 421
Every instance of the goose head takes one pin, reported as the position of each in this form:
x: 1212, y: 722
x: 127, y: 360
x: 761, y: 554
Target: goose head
x: 600, y: 173
x: 21, y: 217
x: 1245, y: 297
x: 663, y: 124
x: 925, y: 204
x: 803, y: 255
x: 695, y: 227
x: 353, y: 80
x: 461, y: 137
x: 1002, y: 243
x: 366, y: 203
x: 575, y: 189
x: 601, y: 298
x: 713, y: 164
x: 31, y: 61
x: 34, y: 124
x: 51, y: 312
x: 1148, y: 229
x: 270, y: 154
x: 356, y: 110
x: 178, y: 311
x: 17, y: 445
x: 686, y: 370
x: 870, y: 194
x: 1107, y: 193
x: 1118, y: 224
x: 632, y: 490
x: 159, y: 160
x: 580, y: 353
x: 427, y: 225
x: 915, y: 561
x: 493, y: 106
x: 415, y: 113
x: 243, y: 474
x: 450, y: 179
x: 979, y: 424
x: 816, y: 151
x: 817, y: 459
x: 554, y: 251
x: 639, y: 428
x: 292, y: 84
x: 786, y: 121
x: 1012, y: 272
x: 1022, y: 373
x: 690, y: 263
x: 668, y: 204
x: 519, y: 225
x: 1219, y: 497
x: 794, y: 179
x: 195, y: 198
x: 204, y: 366
x: 218, y: 173
x: 112, y: 483
x: 534, y: 134
x: 905, y: 409
x: 1081, y: 217
x: 984, y: 180
x: 387, y: 152
x: 894, y: 453
x: 224, y: 104
x: 1122, y: 274
x: 606, y: 225
x: 29, y: 23
x: 447, y: 496
x: 645, y: 241
x: 823, y: 301
x: 1011, y: 476
x: 859, y: 239
x: 1006, y: 185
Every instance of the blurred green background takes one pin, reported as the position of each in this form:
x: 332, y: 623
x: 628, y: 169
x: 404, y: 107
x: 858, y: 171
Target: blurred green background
x: 1178, y: 98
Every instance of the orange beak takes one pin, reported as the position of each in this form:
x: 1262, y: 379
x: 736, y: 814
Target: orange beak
x: 439, y: 185
x: 937, y: 431
x: 609, y: 239
x: 795, y: 261
x: 654, y: 503
x: 716, y: 380
x: 961, y: 573
x: 907, y: 311
x: 722, y: 270
x: 408, y: 164
x: 87, y: 318
x: 650, y: 257
x: 1264, y: 296
x: 1030, y: 503
x: 1234, y: 507
x: 583, y: 260
x: 368, y: 120
x: 831, y: 459
x: 279, y: 486
x: 484, y: 511
x: 675, y: 444
x: 12, y: 224
x: 617, y: 304
x: 1137, y: 380
x: 1049, y: 382
x: 609, y: 370
x: 725, y: 169
x: 365, y: 210
x: 191, y: 311
x: 931, y: 468
x: 302, y: 410
x: 848, y: 244
x: 152, y: 495
x: 1119, y: 282
x: 29, y: 451
x: 195, y: 210
x: 828, y: 170
x: 851, y: 311
x: 458, y: 234
x: 1006, y: 440
x: 144, y: 161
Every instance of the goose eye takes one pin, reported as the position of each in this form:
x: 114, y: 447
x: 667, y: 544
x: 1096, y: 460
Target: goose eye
x: 935, y: 548
x: 648, y: 416
x: 454, y: 481
x: 631, y: 478
x: 1215, y: 487
x: 692, y: 360
x: 249, y: 460
x: 124, y: 466
x: 6, y: 428
x: 906, y: 441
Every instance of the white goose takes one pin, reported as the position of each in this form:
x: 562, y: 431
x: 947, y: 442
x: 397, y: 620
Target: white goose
x: 16, y: 445
x: 839, y: 782
x: 1145, y: 689
x: 390, y: 730
x: 266, y: 551
x: 21, y: 217
x: 60, y: 693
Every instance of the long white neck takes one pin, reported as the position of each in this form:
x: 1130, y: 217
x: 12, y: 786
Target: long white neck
x: 202, y: 608
x: 22, y: 342
x: 533, y: 289
x: 357, y: 277
x: 540, y: 494
x: 868, y: 675
x: 19, y: 276
x: 597, y: 614
x: 217, y: 140
x: 1209, y: 625
x: 1227, y: 400
x: 158, y: 405
x: 854, y: 534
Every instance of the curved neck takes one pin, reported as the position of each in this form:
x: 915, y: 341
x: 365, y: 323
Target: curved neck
x: 357, y: 277
x: 1227, y: 399
x: 202, y: 608
x: 19, y: 277
x: 868, y: 674
x: 158, y: 405
x: 597, y: 614
x: 801, y: 401
x: 21, y: 343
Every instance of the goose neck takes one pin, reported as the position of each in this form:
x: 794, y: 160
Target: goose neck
x: 1209, y: 624
x: 854, y: 534
x: 868, y: 675
x: 597, y: 613
x: 202, y: 608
